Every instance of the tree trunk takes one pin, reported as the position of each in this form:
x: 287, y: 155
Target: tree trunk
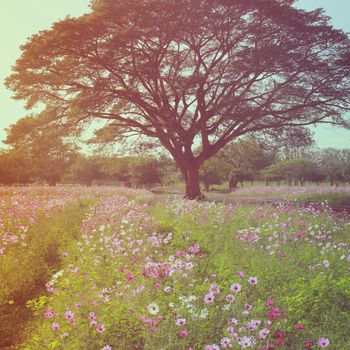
x: 233, y: 183
x: 193, y: 190
x: 206, y: 185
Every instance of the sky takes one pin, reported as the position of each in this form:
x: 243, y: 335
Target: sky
x: 19, y: 19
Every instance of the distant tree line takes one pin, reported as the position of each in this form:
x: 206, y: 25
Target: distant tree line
x: 251, y: 160
x: 19, y: 168
x: 287, y: 157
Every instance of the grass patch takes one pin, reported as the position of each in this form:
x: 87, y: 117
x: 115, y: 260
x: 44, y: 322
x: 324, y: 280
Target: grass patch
x: 331, y: 198
x: 25, y: 270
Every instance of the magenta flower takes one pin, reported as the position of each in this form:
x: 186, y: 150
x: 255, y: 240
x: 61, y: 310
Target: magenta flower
x: 308, y: 344
x: 299, y: 326
x: 270, y: 302
x: 107, y: 347
x: 183, y: 333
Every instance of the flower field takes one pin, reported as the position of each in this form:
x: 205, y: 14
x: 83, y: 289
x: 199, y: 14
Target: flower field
x: 320, y: 193
x: 138, y: 271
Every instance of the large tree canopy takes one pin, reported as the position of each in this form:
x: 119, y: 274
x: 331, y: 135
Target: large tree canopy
x: 189, y: 73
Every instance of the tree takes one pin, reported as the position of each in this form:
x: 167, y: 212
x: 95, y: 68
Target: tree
x: 291, y: 143
x: 245, y: 158
x: 47, y: 156
x: 187, y: 73
x: 293, y: 170
x: 214, y: 171
x: 334, y: 164
x: 145, y: 171
x: 86, y: 169
x: 14, y: 167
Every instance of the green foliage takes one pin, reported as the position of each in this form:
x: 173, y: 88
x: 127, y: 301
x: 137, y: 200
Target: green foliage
x: 116, y: 267
x: 145, y: 172
x: 186, y: 75
x: 24, y: 272
x: 86, y: 169
x: 297, y: 170
x: 214, y: 171
x: 331, y: 198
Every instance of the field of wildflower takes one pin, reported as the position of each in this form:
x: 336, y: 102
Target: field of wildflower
x: 125, y: 269
x: 335, y: 195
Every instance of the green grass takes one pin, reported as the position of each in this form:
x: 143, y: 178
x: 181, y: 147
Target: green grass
x: 289, y: 270
x: 331, y: 198
x: 24, y: 271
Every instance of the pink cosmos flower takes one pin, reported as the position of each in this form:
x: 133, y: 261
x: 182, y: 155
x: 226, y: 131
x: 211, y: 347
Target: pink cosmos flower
x: 183, y: 333
x: 309, y: 344
x: 274, y: 313
x: 323, y: 342
x: 49, y: 314
x: 264, y: 333
x: 209, y: 298
x: 241, y: 274
x: 278, y: 335
x: 180, y: 321
x: 100, y: 328
x: 299, y: 326
x: 226, y: 342
x: 107, y: 347
x: 55, y: 326
x: 248, y: 306
x: 214, y: 288
x: 233, y: 321
x: 270, y: 302
x: 130, y: 277
x: 69, y: 315
x: 92, y: 316
x: 252, y: 281
x: 212, y: 347
x: 230, y: 298
x: 253, y: 325
x: 236, y: 287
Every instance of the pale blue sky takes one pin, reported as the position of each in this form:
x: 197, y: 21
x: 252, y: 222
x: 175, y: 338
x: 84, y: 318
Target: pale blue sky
x: 19, y: 19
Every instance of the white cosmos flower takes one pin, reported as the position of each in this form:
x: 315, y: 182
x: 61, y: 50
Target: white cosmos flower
x: 153, y: 308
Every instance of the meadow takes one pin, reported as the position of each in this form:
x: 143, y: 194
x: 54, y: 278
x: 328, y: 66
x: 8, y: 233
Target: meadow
x: 115, y: 268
